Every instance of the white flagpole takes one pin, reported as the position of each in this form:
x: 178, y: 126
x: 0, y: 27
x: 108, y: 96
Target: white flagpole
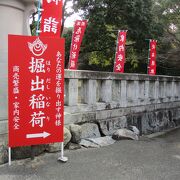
x: 62, y: 158
x: 9, y: 150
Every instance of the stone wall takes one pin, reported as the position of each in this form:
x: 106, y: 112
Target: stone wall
x: 114, y: 100
x: 103, y: 102
x: 117, y: 100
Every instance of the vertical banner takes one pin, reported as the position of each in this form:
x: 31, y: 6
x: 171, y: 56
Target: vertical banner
x: 152, y: 57
x: 36, y: 90
x: 77, y: 37
x: 51, y: 18
x: 120, y: 52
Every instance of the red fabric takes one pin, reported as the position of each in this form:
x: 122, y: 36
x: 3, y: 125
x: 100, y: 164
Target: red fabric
x: 77, y: 37
x: 120, y: 52
x: 152, y: 58
x: 51, y: 21
x: 36, y: 90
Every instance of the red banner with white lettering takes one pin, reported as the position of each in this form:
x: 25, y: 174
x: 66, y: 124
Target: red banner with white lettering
x: 152, y: 58
x: 77, y: 37
x: 36, y: 90
x: 51, y: 18
x: 120, y: 52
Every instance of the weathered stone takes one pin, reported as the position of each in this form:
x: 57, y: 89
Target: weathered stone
x: 53, y: 147
x: 102, y: 141
x: 76, y: 133
x: 90, y: 130
x: 74, y: 146
x: 3, y: 154
x: 88, y: 144
x: 97, y: 142
x: 67, y: 136
x: 121, y: 134
x: 135, y: 130
x: 109, y: 126
x: 27, y: 151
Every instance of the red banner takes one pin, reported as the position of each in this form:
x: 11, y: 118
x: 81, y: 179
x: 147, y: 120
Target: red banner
x: 152, y: 58
x: 120, y: 52
x: 51, y: 18
x: 36, y: 90
x: 77, y: 37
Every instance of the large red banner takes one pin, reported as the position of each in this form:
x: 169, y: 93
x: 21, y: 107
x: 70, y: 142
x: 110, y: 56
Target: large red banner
x: 152, y: 58
x: 51, y: 18
x: 78, y: 33
x: 36, y: 90
x: 120, y: 52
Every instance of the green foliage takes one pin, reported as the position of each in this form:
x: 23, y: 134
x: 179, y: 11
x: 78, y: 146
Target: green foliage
x: 67, y: 36
x: 144, y: 19
x: 168, y: 13
x: 105, y: 18
x: 33, y: 27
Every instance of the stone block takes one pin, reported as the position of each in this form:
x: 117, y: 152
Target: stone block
x: 67, y: 136
x: 97, y: 142
x: 76, y: 132
x: 122, y: 134
x: 109, y: 126
x: 90, y: 130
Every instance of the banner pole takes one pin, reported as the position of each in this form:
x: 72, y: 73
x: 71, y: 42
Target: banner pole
x: 69, y: 63
x: 62, y: 158
x: 116, y: 50
x: 9, y: 150
x: 62, y: 149
x: 37, y: 27
x: 148, y: 55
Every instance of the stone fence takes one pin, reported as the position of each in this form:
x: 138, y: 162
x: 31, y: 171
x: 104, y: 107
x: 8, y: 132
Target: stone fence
x: 117, y: 100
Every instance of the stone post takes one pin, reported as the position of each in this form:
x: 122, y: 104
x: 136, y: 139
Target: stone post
x: 72, y: 92
x: 14, y: 19
x: 146, y: 101
x: 90, y: 92
x: 106, y: 91
x: 123, y: 100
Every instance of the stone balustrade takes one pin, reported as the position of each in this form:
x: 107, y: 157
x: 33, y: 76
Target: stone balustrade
x: 90, y: 88
x: 117, y: 100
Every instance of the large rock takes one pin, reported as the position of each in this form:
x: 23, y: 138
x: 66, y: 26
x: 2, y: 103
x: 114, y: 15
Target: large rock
x: 121, y: 134
x: 109, y: 126
x: 97, y: 142
x: 90, y: 130
x: 55, y: 147
x: 76, y: 132
x: 88, y: 143
x: 27, y: 151
x: 3, y: 154
x: 74, y: 146
x: 67, y: 136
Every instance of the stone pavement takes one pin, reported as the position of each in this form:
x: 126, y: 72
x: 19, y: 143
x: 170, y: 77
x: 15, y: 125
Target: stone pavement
x: 147, y: 159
